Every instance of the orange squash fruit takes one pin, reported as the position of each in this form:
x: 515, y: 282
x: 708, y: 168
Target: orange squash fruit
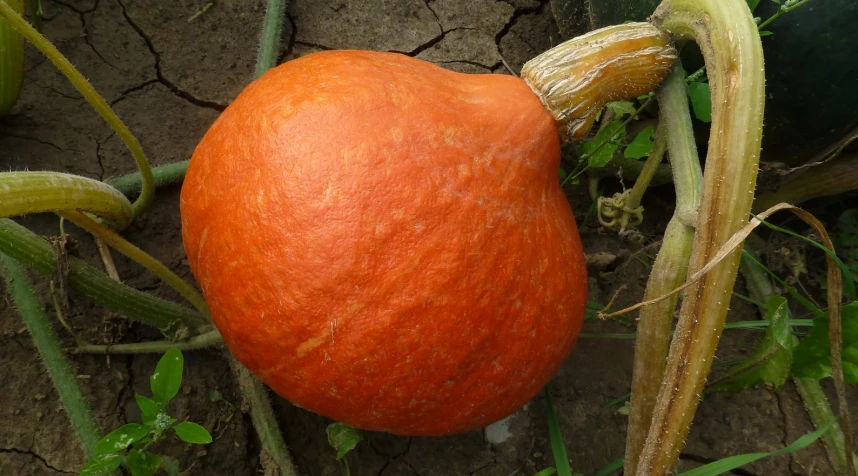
x: 384, y: 242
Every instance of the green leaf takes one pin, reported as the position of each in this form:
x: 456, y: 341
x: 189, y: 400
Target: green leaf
x: 142, y: 463
x: 622, y: 108
x: 563, y: 173
x: 343, y: 438
x: 170, y: 466
x: 728, y: 464
x: 752, y: 4
x: 149, y: 409
x: 770, y: 363
x: 101, y: 465
x: 190, y: 432
x: 119, y: 439
x: 812, y: 356
x: 701, y: 101
x: 600, y: 150
x: 167, y: 379
x: 641, y: 145
x: 558, y: 448
x: 547, y: 471
x: 765, y: 33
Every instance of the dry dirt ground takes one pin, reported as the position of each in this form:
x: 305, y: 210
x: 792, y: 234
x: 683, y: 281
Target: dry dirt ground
x: 168, y: 75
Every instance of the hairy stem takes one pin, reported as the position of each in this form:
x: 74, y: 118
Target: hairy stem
x: 263, y: 418
x: 92, y: 97
x: 33, y: 250
x: 728, y: 38
x: 270, y: 42
x: 671, y: 265
x: 169, y: 174
x: 22, y: 193
x: 65, y: 381
x: 206, y: 339
x: 147, y: 261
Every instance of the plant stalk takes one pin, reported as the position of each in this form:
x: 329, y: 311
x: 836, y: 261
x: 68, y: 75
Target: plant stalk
x: 728, y: 37
x: 55, y: 361
x: 633, y: 200
x: 34, y: 251
x: 147, y: 261
x: 130, y: 185
x: 263, y: 418
x: 92, y: 97
x: 204, y: 340
x: 22, y: 193
x: 671, y: 265
x: 272, y: 26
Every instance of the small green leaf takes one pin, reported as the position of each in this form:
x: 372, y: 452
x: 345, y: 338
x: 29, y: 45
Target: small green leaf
x: 701, y: 101
x: 167, y: 379
x: 641, y: 145
x: 812, y: 356
x: 149, y: 409
x: 120, y: 438
x: 752, y: 4
x: 190, y: 432
x: 342, y: 438
x: 600, y: 150
x: 621, y: 108
x: 765, y: 33
x: 142, y: 463
x: 563, y: 173
x: 101, y: 465
x: 728, y: 464
x: 771, y: 362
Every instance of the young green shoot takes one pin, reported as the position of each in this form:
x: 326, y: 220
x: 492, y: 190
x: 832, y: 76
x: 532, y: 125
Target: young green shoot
x: 129, y: 445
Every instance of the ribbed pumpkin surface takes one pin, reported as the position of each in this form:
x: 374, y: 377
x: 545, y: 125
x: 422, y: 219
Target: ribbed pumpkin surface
x: 384, y: 242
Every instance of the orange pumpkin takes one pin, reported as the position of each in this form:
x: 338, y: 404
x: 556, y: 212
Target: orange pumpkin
x: 385, y: 242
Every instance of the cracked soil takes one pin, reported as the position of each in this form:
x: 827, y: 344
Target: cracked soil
x: 168, y: 76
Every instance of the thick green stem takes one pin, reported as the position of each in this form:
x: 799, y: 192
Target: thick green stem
x: 671, y: 265
x: 22, y: 193
x: 92, y: 97
x: 811, y: 393
x: 207, y: 339
x: 169, y: 174
x: 728, y: 37
x: 33, y: 250
x: 263, y: 419
x: 147, y: 261
x: 65, y: 381
x: 270, y: 42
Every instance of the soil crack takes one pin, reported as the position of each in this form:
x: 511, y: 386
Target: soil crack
x: 40, y: 141
x: 290, y: 46
x: 133, y: 89
x: 160, y: 75
x: 34, y: 455
x: 516, y: 16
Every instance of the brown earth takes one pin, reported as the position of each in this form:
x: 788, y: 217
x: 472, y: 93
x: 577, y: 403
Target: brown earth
x: 168, y: 76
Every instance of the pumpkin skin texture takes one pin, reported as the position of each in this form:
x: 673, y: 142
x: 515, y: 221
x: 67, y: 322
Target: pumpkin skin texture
x: 384, y: 242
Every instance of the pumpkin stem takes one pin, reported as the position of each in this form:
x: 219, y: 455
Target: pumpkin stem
x: 670, y: 268
x: 728, y: 37
x: 575, y: 79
